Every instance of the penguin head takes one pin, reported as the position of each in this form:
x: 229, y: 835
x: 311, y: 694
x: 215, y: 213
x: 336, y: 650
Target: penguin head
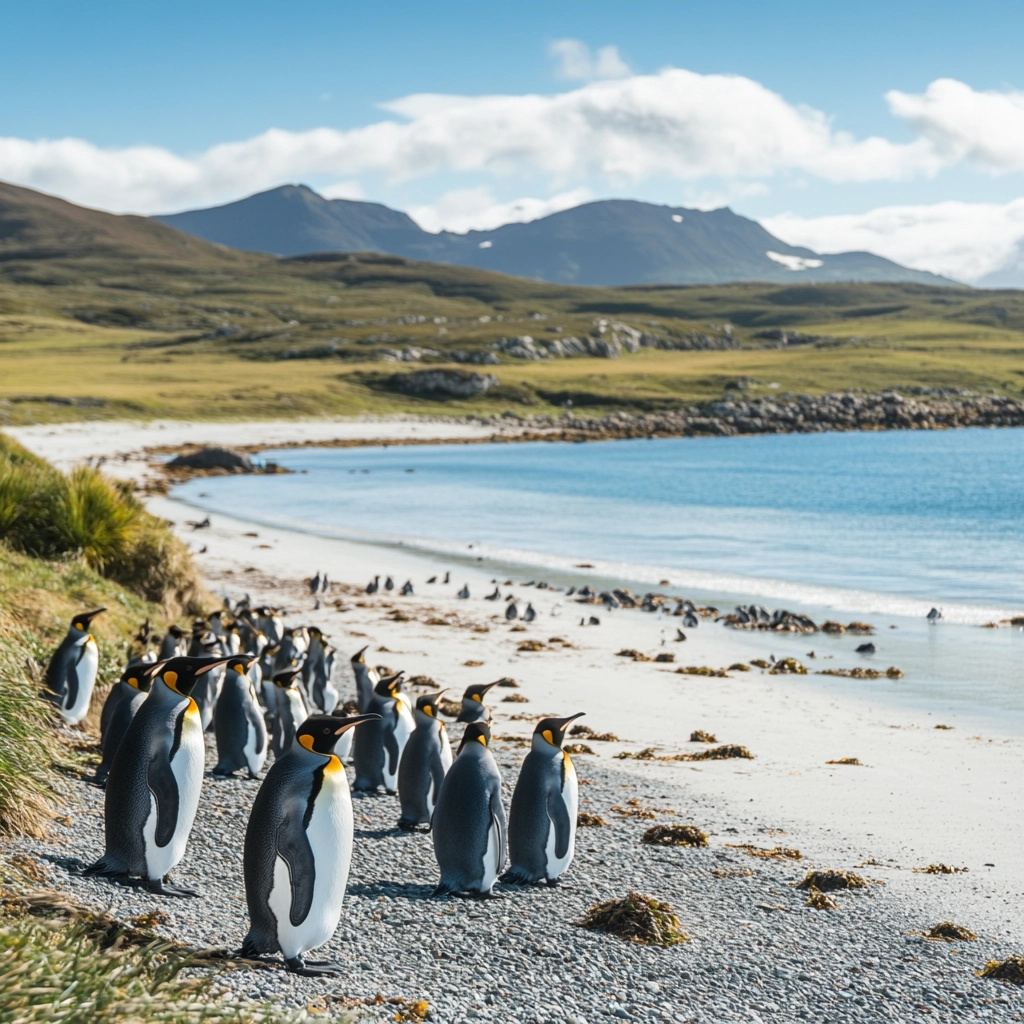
x: 182, y: 674
x: 319, y: 733
x: 389, y: 686
x: 285, y: 678
x: 240, y: 662
x: 359, y: 658
x: 478, y: 691
x: 553, y: 729
x: 428, y: 704
x: 140, y: 675
x: 478, y: 732
x: 176, y: 631
x: 316, y: 633
x: 81, y: 622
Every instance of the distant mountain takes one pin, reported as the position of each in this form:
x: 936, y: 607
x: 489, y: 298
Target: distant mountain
x: 610, y: 242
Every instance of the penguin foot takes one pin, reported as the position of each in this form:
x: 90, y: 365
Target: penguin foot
x: 515, y: 877
x: 322, y: 969
x: 408, y: 826
x: 161, y: 887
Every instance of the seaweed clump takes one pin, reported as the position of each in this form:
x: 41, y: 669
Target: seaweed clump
x: 831, y: 881
x: 702, y: 670
x: 515, y: 698
x: 1011, y: 970
x: 846, y: 760
x: 635, y: 655
x: 700, y: 736
x: 722, y: 753
x: 637, y: 918
x: 584, y: 819
x: 674, y: 835
x: 587, y: 733
x: 579, y: 748
x: 774, y: 853
x: 949, y: 932
x: 940, y: 869
x: 817, y: 900
x: 647, y: 754
x: 787, y: 667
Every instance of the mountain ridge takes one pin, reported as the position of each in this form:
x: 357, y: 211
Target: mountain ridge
x: 605, y: 242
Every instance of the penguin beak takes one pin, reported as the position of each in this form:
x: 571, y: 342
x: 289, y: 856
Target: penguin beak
x: 486, y: 687
x: 564, y: 723
x: 344, y: 724
x: 244, y: 660
x: 358, y: 656
x: 89, y: 616
x: 212, y: 665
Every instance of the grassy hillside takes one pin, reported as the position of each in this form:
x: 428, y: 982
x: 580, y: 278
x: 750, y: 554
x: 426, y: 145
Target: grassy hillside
x: 104, y: 316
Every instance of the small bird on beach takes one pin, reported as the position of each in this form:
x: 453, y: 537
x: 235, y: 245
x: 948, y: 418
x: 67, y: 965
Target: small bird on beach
x: 407, y: 589
x: 473, y: 707
x: 542, y: 818
x: 433, y: 579
x: 373, y: 586
x: 934, y: 615
x: 594, y: 621
x: 680, y: 635
x: 468, y: 825
x: 425, y: 762
x: 71, y: 673
x: 203, y: 525
x: 496, y: 596
x: 298, y: 848
x: 464, y: 592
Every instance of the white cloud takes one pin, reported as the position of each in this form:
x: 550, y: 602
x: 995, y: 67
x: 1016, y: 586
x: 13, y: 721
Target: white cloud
x: 966, y: 241
x: 576, y: 62
x: 343, y: 190
x: 675, y: 124
x: 982, y: 128
x: 475, y: 209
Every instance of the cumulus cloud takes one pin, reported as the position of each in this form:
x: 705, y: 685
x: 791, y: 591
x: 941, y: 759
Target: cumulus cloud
x: 343, y: 190
x: 576, y: 62
x: 475, y: 209
x: 675, y: 124
x: 973, y: 242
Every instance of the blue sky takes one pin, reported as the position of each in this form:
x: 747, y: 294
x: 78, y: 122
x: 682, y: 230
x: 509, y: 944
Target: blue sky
x: 184, y: 78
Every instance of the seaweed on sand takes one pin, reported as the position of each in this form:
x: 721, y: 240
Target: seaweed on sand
x: 700, y: 736
x: 634, y: 809
x: 947, y: 931
x: 702, y: 670
x: 674, y: 835
x: 1011, y: 969
x: 774, y: 853
x: 635, y: 655
x: 637, y: 918
x: 647, y: 754
x: 831, y: 881
x: 722, y: 753
x: 585, y: 732
x: 817, y: 900
x: 515, y: 698
x: 584, y: 819
x: 531, y: 645
x: 787, y: 666
x: 846, y: 760
x: 579, y: 748
x: 940, y: 869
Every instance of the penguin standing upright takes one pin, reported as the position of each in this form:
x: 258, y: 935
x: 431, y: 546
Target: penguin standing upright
x: 204, y: 643
x: 317, y: 670
x: 469, y: 820
x: 71, y: 674
x: 425, y: 761
x: 130, y: 691
x: 542, y: 818
x: 172, y: 645
x: 473, y: 707
x: 377, y: 749
x: 155, y: 780
x: 289, y: 711
x: 298, y: 847
x: 366, y: 680
x: 238, y: 724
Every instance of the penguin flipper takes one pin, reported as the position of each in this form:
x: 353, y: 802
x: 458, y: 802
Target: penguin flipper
x: 164, y: 787
x: 70, y: 693
x: 391, y: 748
x: 559, y: 815
x: 294, y: 849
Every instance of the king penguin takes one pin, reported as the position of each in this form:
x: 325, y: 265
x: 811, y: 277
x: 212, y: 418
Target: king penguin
x: 377, y: 749
x: 366, y: 680
x: 173, y: 645
x: 469, y: 819
x: 155, y: 780
x: 126, y: 697
x: 298, y: 847
x: 542, y: 818
x: 473, y: 707
x: 321, y: 693
x: 425, y: 761
x: 71, y: 674
x: 238, y: 724
x: 289, y: 711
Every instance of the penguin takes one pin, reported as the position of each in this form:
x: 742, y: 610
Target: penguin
x: 298, y: 847
x: 425, y: 761
x: 464, y: 592
x: 366, y: 680
x: 680, y: 636
x: 468, y: 823
x: 542, y: 818
x: 433, y: 579
x: 511, y: 611
x: 325, y: 584
x: 530, y: 614
x: 270, y: 624
x: 690, y: 621
x: 155, y: 780
x: 317, y: 669
x: 447, y: 577
x: 373, y: 586
x: 239, y: 727
x: 171, y: 646
x: 389, y: 584
x: 71, y: 673
x: 496, y: 596
x: 377, y: 749
x: 314, y: 583
x: 473, y: 707
x: 204, y: 644
x: 291, y: 652
x: 126, y: 696
x: 407, y: 588
x: 289, y: 711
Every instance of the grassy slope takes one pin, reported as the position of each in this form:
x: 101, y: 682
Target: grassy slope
x: 122, y: 313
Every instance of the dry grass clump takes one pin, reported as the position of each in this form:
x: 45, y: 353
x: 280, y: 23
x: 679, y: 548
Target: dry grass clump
x: 941, y: 869
x: 674, y: 835
x: 531, y: 645
x: 700, y: 736
x: 515, y: 698
x: 817, y: 900
x: 587, y: 733
x: 845, y: 760
x: 579, y: 748
x: 831, y: 881
x: 947, y: 931
x: 1011, y: 969
x: 638, y: 918
x: 629, y: 652
x: 584, y: 819
x: 773, y: 853
x: 787, y: 666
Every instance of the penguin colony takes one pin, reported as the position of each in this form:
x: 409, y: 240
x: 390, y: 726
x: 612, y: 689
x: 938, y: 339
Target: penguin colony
x: 265, y: 689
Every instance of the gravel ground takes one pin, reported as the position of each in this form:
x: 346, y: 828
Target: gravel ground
x: 756, y: 951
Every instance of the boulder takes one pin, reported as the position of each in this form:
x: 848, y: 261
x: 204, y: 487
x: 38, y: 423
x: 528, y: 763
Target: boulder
x: 214, y: 457
x: 444, y: 383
